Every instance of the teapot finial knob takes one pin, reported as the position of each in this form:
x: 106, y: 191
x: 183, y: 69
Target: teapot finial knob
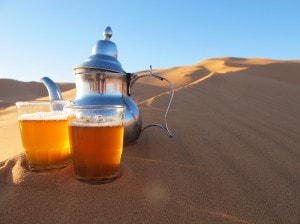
x: 107, y: 34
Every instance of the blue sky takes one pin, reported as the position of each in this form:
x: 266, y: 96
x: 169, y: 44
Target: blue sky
x: 50, y: 37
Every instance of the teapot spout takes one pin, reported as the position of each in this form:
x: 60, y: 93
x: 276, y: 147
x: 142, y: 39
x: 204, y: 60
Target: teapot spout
x: 53, y: 89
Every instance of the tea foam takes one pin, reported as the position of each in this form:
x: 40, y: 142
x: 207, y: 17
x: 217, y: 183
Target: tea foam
x: 96, y: 124
x: 39, y: 116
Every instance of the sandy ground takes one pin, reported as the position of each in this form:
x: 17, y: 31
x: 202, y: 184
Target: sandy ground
x: 234, y: 158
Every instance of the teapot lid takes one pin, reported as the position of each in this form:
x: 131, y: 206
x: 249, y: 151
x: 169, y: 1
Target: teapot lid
x: 104, y: 55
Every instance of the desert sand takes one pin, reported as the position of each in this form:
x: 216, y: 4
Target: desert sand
x: 234, y: 158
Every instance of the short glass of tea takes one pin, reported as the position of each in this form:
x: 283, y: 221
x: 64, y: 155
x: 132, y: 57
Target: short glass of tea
x: 44, y: 133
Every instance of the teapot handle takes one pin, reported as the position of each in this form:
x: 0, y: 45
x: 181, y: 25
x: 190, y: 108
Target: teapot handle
x: 165, y: 126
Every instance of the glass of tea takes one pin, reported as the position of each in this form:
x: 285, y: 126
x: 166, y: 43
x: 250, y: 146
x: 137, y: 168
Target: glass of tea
x: 44, y: 132
x: 96, y: 139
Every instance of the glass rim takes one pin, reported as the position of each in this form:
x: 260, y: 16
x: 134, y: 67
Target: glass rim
x: 35, y: 102
x: 97, y: 107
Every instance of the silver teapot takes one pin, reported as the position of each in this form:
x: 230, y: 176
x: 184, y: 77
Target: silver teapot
x: 100, y: 80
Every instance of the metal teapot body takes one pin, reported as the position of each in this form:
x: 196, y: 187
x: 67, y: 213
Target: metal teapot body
x: 100, y: 80
x: 98, y: 87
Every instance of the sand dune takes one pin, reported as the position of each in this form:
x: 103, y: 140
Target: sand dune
x: 13, y: 90
x: 234, y: 158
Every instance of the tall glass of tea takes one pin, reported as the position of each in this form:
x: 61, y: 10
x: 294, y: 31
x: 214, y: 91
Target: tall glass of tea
x: 96, y: 139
